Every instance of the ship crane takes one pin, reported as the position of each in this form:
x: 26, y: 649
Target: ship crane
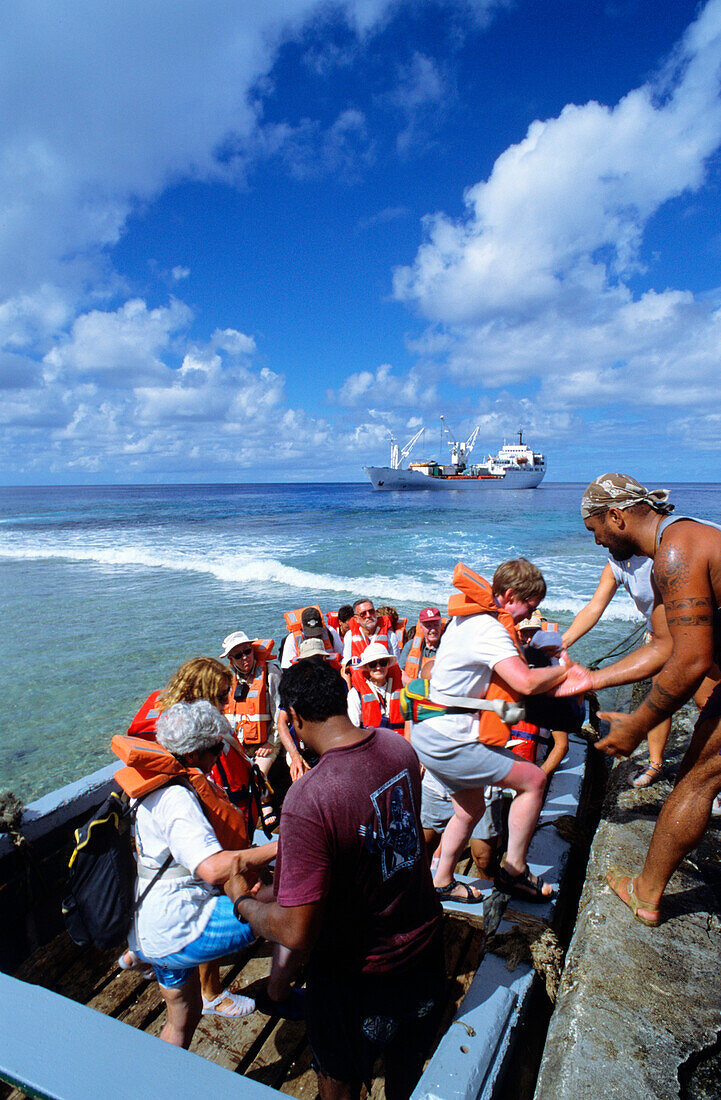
x: 460, y: 451
x: 397, y: 456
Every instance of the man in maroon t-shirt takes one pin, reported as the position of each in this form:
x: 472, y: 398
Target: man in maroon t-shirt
x: 352, y: 884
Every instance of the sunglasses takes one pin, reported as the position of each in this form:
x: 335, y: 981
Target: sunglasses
x: 242, y: 653
x: 378, y: 664
x: 366, y: 612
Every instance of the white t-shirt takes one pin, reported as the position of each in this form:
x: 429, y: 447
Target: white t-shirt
x: 290, y: 649
x: 471, y: 647
x: 393, y: 646
x: 635, y: 576
x: 175, y: 911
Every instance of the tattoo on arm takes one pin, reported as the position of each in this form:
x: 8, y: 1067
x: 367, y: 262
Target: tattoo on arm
x: 671, y: 569
x: 660, y: 701
x: 691, y: 611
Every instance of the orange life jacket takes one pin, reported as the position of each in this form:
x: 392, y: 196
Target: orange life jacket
x: 400, y: 632
x: 251, y: 717
x: 528, y: 735
x: 360, y: 641
x: 476, y: 598
x: 416, y: 665
x: 372, y: 713
x: 143, y: 724
x: 331, y: 619
x: 149, y: 767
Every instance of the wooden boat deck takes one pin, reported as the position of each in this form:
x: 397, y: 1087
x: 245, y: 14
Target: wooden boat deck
x: 273, y: 1052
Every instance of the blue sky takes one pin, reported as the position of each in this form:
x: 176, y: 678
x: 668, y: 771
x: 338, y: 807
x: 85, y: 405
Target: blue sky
x: 247, y: 241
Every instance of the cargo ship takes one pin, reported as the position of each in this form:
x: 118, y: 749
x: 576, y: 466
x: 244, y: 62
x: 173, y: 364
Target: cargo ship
x: 516, y: 466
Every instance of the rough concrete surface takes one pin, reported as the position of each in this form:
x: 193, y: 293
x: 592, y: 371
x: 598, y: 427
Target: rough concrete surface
x: 639, y: 1009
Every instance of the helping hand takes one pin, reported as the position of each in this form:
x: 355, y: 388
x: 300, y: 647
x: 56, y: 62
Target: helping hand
x: 298, y: 767
x: 622, y: 738
x: 578, y: 680
x: 242, y: 879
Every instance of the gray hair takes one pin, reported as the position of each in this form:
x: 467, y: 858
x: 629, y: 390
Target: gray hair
x: 191, y: 727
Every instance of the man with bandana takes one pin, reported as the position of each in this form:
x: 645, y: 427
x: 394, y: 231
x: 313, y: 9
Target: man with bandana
x: 628, y: 519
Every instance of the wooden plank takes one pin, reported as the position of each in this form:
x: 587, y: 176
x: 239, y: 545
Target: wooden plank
x: 274, y: 1061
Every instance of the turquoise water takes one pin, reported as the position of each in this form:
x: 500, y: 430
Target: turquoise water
x: 106, y: 590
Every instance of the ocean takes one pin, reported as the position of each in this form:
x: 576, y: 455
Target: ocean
x: 106, y: 590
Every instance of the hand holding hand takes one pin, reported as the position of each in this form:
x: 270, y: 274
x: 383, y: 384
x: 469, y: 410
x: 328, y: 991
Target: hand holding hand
x: 578, y: 680
x: 242, y: 879
x: 298, y: 767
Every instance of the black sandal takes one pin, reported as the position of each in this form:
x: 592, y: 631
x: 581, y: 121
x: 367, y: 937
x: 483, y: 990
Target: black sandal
x: 525, y: 885
x: 445, y: 893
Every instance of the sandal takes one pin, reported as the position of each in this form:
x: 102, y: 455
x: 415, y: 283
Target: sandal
x: 445, y: 893
x: 130, y: 961
x: 235, y: 1005
x: 525, y: 885
x: 624, y: 889
x: 648, y: 775
x: 270, y: 817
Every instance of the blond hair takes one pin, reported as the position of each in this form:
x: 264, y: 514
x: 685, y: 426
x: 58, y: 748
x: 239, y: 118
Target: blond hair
x: 523, y: 578
x: 198, y: 678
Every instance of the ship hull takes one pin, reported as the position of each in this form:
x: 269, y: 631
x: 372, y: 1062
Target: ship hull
x: 386, y: 479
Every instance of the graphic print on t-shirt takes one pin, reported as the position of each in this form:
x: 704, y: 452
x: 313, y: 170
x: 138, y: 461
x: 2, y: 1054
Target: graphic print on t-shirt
x: 393, y: 835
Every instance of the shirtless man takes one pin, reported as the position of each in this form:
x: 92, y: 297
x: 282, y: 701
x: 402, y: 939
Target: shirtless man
x: 627, y: 519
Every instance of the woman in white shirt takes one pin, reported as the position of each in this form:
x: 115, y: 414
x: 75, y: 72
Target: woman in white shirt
x: 185, y: 919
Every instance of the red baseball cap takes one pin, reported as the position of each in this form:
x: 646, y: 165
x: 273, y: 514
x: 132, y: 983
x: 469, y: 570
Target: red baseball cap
x: 429, y: 615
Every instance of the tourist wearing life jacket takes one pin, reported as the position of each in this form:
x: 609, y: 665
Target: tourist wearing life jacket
x: 373, y: 700
x: 209, y: 679
x: 340, y: 620
x: 479, y: 657
x: 252, y: 709
x: 419, y: 655
x: 305, y: 623
x: 367, y: 627
x: 398, y: 623
x: 185, y: 825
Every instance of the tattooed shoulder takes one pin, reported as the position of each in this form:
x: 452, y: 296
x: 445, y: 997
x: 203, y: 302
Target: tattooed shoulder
x: 671, y: 569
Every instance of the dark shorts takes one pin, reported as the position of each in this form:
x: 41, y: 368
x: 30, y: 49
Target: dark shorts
x: 712, y: 706
x: 352, y: 1019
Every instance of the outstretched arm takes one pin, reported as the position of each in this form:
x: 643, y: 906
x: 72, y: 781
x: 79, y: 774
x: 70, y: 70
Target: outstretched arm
x: 681, y: 573
x: 643, y: 662
x: 589, y: 615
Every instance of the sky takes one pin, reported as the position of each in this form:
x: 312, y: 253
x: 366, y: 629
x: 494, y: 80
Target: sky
x: 249, y: 242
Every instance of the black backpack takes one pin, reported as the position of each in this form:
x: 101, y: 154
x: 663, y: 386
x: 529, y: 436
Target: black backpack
x: 100, y: 903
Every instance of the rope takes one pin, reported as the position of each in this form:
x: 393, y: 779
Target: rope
x: 623, y: 647
x: 11, y: 815
x: 532, y: 941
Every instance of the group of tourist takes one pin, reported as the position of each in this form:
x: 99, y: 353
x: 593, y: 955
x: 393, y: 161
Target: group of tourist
x: 351, y: 896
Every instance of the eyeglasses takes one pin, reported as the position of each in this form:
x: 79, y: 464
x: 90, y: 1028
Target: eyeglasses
x: 366, y: 611
x: 378, y: 664
x: 241, y: 653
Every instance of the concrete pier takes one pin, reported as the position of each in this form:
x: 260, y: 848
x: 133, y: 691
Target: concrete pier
x: 639, y: 1009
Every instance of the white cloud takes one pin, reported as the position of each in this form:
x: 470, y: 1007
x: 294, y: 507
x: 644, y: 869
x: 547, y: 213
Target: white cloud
x: 123, y: 346
x: 535, y: 282
x: 382, y: 390
x: 421, y: 90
